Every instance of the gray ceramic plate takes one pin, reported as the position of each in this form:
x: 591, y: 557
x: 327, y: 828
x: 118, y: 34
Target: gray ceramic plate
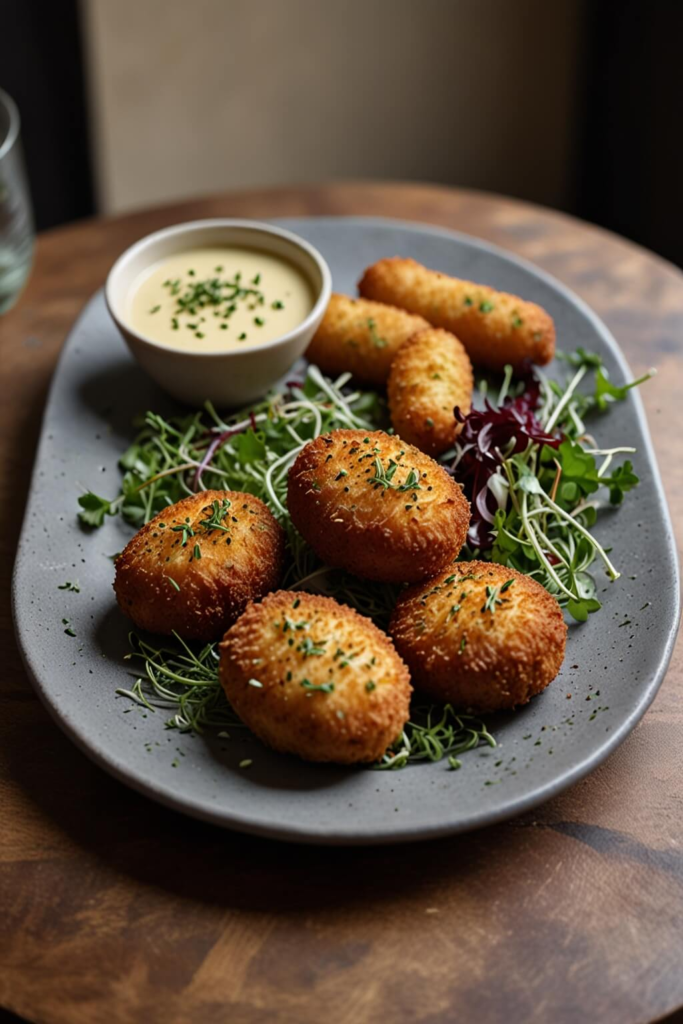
x: 618, y: 658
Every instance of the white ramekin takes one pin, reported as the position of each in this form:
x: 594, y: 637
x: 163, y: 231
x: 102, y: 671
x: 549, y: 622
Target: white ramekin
x: 231, y: 377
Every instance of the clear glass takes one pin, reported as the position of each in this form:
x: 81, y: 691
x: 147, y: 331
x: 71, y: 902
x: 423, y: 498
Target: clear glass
x: 16, y: 217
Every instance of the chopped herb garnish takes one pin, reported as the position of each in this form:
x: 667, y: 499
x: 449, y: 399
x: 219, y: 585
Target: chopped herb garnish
x: 374, y: 336
x: 486, y: 306
x: 185, y: 529
x: 289, y: 624
x: 215, y: 521
x: 383, y: 477
x: 412, y: 482
x: 312, y: 648
x: 317, y: 687
x: 70, y: 586
x: 492, y: 598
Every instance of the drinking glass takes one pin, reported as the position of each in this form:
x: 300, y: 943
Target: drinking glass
x: 16, y: 218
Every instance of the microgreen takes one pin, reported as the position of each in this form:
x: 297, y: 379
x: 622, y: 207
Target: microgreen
x: 535, y: 479
x: 540, y: 487
x: 436, y: 733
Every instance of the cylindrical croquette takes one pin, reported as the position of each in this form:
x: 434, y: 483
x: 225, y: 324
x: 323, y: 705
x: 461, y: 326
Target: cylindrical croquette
x: 194, y: 567
x: 361, y: 337
x: 496, y: 328
x: 430, y: 375
x: 314, y: 678
x: 479, y: 636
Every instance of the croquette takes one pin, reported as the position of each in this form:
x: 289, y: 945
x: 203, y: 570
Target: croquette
x: 480, y: 636
x: 194, y: 567
x: 495, y: 328
x: 376, y: 506
x: 430, y: 375
x: 314, y: 678
x: 361, y: 337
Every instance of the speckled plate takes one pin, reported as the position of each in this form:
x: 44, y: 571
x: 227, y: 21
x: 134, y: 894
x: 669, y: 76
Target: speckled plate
x: 618, y: 657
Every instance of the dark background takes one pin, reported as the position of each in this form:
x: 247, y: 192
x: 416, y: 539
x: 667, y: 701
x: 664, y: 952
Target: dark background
x: 627, y: 167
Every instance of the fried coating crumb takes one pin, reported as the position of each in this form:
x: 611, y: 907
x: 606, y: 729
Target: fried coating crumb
x: 376, y: 506
x: 430, y: 375
x: 361, y: 337
x: 495, y: 328
x: 194, y: 567
x: 480, y: 636
x: 314, y: 678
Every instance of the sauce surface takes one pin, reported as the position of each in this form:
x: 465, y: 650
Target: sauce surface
x: 213, y: 299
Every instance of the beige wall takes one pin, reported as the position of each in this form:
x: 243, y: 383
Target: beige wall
x: 194, y: 96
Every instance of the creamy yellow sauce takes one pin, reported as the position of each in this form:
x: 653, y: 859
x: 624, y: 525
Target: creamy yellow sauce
x: 213, y: 299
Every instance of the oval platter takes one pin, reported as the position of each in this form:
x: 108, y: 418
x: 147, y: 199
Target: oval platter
x: 620, y: 654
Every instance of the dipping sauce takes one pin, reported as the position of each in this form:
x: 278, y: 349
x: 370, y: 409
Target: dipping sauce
x: 213, y: 299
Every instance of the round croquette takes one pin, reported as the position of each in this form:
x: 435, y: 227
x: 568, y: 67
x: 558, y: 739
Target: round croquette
x: 480, y: 636
x: 194, y: 568
x: 376, y: 506
x: 314, y: 678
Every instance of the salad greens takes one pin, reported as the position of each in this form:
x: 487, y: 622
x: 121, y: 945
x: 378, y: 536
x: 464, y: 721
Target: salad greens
x: 535, y: 477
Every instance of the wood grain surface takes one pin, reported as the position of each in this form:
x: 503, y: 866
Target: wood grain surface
x: 116, y: 910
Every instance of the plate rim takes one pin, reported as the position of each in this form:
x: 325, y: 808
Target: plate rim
x: 396, y: 833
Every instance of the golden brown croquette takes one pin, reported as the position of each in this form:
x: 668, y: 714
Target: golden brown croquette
x: 376, y: 506
x: 430, y: 375
x: 495, y: 328
x: 361, y: 337
x: 314, y: 678
x: 480, y: 636
x: 194, y: 567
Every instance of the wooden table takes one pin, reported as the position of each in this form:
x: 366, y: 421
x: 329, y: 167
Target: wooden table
x: 117, y: 910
